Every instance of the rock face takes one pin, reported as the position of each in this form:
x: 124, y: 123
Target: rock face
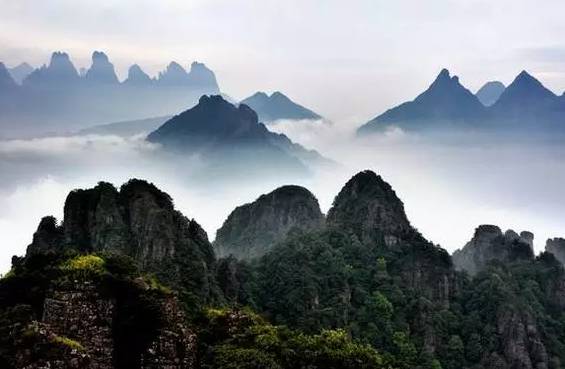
x: 277, y: 106
x: 101, y: 71
x: 556, y: 246
x: 490, y: 92
x: 60, y: 71
x: 251, y: 230
x: 228, y: 135
x: 446, y: 101
x: 490, y: 244
x: 139, y: 221
x: 369, y: 207
x: 201, y: 77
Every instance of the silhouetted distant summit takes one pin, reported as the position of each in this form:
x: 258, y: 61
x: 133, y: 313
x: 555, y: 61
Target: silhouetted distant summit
x: 490, y: 92
x: 174, y: 75
x: 101, y: 71
x: 137, y: 77
x: 446, y: 100
x: 216, y: 129
x: 525, y: 98
x: 202, y: 77
x: 60, y: 71
x: 277, y: 106
x: 20, y: 72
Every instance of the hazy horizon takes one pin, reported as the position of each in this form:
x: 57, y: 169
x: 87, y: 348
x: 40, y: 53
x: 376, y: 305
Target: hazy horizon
x: 356, y: 60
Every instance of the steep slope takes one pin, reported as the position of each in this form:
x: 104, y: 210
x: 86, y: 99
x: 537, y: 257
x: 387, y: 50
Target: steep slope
x: 490, y: 244
x: 251, y: 230
x: 446, y: 102
x: 202, y: 78
x: 556, y: 246
x: 59, y: 73
x: 7, y: 83
x: 490, y: 92
x: 139, y: 221
x: 137, y: 77
x: 101, y: 71
x: 525, y: 101
x: 219, y: 131
x: 277, y: 106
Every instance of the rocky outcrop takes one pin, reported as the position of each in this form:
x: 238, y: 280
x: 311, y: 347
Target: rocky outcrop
x: 489, y: 244
x: 139, y: 221
x: 369, y: 207
x: 201, y: 77
x: 137, y: 77
x: 101, y: 71
x: 173, y: 75
x: 59, y: 72
x: 251, y: 230
x: 556, y: 246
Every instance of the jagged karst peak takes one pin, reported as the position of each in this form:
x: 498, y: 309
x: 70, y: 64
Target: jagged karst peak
x: 490, y: 244
x: 136, y: 76
x: 101, y: 71
x: 490, y: 92
x: 556, y: 246
x: 60, y: 72
x: 368, y: 206
x: 278, y: 106
x: 253, y: 229
x: 201, y: 77
x: 174, y: 74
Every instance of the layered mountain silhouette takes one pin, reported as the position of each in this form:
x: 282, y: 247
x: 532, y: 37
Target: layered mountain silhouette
x: 277, y: 106
x: 20, y: 72
x: 446, y: 104
x: 490, y: 92
x: 56, y: 98
x: 219, y: 131
x: 7, y: 83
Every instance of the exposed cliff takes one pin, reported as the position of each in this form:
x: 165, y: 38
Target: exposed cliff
x: 140, y: 221
x: 556, y: 246
x: 251, y: 230
x: 490, y: 244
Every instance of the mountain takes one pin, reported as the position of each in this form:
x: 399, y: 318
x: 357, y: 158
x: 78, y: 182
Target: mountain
x: 59, y: 73
x: 56, y: 99
x: 251, y: 230
x: 219, y: 131
x: 137, y: 77
x: 526, y: 100
x: 556, y: 246
x: 490, y: 92
x: 277, y: 106
x: 490, y: 244
x: 445, y: 103
x: 101, y: 70
x: 20, y: 72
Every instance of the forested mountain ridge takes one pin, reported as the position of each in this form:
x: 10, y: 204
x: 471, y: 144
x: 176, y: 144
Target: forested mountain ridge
x: 364, y: 289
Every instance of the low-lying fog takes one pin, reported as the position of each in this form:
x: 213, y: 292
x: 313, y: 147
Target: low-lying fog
x: 449, y: 184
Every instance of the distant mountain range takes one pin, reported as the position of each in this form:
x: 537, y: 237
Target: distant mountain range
x: 230, y: 136
x: 57, y: 98
x: 276, y: 107
x: 446, y: 104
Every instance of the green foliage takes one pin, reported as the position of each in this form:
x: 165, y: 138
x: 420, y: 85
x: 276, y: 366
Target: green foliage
x: 67, y: 342
x: 84, y: 267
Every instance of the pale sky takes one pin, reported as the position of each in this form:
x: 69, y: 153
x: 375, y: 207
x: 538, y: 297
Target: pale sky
x: 348, y: 60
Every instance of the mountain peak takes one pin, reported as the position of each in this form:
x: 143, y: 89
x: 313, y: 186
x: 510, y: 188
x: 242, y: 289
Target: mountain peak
x: 174, y: 74
x: 20, y: 72
x: 6, y: 80
x: 369, y: 207
x: 524, y: 97
x: 490, y: 92
x: 101, y: 71
x: 200, y: 76
x: 278, y: 106
x: 136, y: 76
x: 251, y: 230
x: 60, y: 71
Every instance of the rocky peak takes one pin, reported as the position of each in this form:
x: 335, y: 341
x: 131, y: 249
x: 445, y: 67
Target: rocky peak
x: 277, y: 106
x: 490, y: 244
x: 201, y: 77
x: 6, y: 80
x: 101, y: 70
x: 369, y: 207
x: 20, y: 72
x: 253, y: 229
x: 174, y: 75
x: 137, y: 77
x: 139, y: 221
x: 556, y: 246
x: 525, y: 92
x: 60, y: 71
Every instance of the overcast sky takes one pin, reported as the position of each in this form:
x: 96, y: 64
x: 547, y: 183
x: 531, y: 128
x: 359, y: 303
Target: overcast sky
x: 348, y: 60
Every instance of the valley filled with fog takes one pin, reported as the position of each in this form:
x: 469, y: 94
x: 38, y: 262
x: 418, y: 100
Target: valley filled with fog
x: 449, y: 183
